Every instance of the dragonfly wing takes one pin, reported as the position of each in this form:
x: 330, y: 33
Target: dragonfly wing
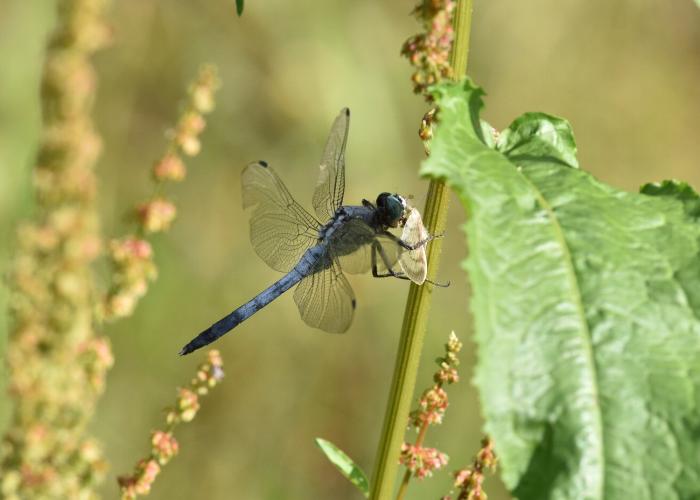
x: 328, y: 195
x: 325, y: 298
x: 280, y: 229
x: 414, y: 263
x: 391, y: 252
x: 351, y: 243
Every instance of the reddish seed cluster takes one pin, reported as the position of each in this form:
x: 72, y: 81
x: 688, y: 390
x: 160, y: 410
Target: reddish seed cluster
x: 131, y: 257
x: 434, y: 401
x: 55, y: 358
x: 208, y: 375
x: 433, y: 404
x: 421, y: 461
x: 133, y: 267
x: 186, y: 135
x: 469, y: 481
x: 164, y: 446
x: 140, y: 483
x: 156, y: 215
x: 97, y: 359
x: 429, y: 51
x: 187, y: 405
x: 169, y: 168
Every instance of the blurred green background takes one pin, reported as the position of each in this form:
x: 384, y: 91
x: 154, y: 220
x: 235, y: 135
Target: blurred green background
x: 626, y: 74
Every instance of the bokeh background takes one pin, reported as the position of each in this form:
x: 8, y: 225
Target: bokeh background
x: 626, y: 74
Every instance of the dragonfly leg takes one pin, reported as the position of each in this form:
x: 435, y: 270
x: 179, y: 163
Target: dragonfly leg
x: 411, y: 246
x: 377, y: 249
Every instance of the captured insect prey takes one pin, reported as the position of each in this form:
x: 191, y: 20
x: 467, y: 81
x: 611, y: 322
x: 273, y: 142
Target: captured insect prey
x: 414, y: 263
x: 314, y: 250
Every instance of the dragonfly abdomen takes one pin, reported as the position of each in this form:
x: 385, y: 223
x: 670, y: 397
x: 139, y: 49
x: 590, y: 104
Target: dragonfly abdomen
x: 306, y: 266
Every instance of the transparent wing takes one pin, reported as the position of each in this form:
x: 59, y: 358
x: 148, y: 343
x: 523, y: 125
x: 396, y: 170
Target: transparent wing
x: 325, y: 298
x: 414, y: 263
x: 328, y: 196
x: 390, y: 253
x: 352, y: 245
x: 280, y: 229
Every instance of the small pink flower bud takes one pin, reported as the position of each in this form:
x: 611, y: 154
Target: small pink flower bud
x: 188, y: 404
x: 147, y: 470
x: 164, y: 446
x: 130, y: 248
x: 462, y: 476
x: 422, y: 461
x: 169, y: 168
x: 192, y: 124
x: 189, y: 144
x: 157, y: 215
x: 203, y: 99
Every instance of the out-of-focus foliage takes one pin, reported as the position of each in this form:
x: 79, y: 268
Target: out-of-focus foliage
x: 57, y: 359
x: 586, y: 304
x: 623, y: 73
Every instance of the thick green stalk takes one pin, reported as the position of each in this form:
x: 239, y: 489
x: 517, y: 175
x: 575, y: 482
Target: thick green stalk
x: 418, y: 303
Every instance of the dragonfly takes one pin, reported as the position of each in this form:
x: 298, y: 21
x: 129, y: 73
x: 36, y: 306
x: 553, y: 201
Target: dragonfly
x: 314, y: 251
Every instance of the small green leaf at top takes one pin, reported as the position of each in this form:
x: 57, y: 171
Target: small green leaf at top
x: 345, y: 465
x: 239, y: 7
x: 538, y: 137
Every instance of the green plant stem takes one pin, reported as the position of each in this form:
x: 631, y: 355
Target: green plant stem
x: 418, y: 303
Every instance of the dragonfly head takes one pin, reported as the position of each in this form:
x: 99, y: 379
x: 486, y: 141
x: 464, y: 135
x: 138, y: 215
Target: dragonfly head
x: 391, y: 209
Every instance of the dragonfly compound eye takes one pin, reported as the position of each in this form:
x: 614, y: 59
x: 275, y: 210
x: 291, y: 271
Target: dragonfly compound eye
x: 391, y: 208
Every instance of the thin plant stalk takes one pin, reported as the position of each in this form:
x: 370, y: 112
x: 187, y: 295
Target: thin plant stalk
x: 418, y: 302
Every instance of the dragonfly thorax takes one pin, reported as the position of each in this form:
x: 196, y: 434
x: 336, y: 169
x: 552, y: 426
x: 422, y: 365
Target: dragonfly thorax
x: 329, y: 228
x: 391, y: 209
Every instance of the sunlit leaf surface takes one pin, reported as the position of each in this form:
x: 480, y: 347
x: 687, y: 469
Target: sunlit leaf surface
x: 586, y: 303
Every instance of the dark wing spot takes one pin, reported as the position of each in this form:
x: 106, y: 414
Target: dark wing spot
x: 347, y: 112
x: 263, y: 163
x: 354, y: 303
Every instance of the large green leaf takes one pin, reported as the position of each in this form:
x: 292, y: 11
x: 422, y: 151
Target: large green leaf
x: 586, y: 301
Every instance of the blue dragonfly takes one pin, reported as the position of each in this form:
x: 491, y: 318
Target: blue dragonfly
x: 313, y: 251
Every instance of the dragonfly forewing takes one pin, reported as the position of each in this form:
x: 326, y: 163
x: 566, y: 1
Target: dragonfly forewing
x: 330, y: 188
x: 281, y: 230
